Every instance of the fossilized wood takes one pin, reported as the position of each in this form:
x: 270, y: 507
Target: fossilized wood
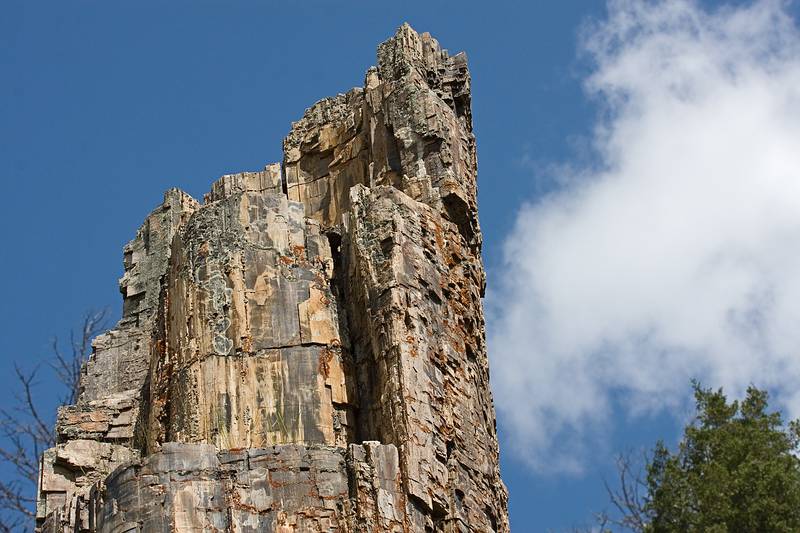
x: 305, y: 350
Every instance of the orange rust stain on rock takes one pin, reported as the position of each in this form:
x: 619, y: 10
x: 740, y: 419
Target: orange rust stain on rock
x: 325, y: 358
x: 247, y: 343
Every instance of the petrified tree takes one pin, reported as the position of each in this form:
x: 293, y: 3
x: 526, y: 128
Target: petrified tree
x: 305, y: 350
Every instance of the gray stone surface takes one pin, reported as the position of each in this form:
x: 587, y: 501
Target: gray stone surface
x: 304, y: 351
x: 193, y: 487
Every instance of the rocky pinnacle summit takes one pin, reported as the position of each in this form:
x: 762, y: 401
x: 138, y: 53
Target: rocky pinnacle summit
x: 303, y: 350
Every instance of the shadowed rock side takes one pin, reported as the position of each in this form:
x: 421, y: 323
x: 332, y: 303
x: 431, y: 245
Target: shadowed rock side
x: 305, y: 350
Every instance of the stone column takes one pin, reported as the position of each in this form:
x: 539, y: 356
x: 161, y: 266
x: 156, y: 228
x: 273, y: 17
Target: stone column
x: 305, y: 351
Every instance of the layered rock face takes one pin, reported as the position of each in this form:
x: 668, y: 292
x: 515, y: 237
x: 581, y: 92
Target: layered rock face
x: 304, y: 351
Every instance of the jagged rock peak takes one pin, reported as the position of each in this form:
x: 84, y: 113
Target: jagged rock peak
x: 304, y: 351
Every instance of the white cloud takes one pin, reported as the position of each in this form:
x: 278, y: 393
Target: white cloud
x: 678, y: 255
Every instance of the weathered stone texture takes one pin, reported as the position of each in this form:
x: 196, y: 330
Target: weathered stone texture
x: 250, y: 319
x: 121, y: 357
x: 192, y: 487
x: 416, y: 326
x: 96, y: 435
x: 305, y: 351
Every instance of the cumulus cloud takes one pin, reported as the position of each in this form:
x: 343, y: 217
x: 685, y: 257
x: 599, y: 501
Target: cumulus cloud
x: 676, y: 253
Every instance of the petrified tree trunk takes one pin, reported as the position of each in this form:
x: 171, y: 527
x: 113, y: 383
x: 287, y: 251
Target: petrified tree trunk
x: 305, y: 350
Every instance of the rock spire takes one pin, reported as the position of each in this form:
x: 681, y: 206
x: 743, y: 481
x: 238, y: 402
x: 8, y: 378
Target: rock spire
x: 304, y: 350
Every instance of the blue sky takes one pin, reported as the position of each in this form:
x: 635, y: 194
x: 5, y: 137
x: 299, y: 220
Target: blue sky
x: 106, y: 105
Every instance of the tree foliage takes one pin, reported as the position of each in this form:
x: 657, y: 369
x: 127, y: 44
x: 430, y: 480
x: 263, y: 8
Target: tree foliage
x: 735, y: 470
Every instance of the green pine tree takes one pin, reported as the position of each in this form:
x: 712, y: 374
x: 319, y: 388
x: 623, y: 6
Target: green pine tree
x: 735, y: 471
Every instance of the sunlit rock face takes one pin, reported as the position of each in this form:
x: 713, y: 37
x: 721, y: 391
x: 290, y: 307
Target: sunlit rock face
x: 304, y: 351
